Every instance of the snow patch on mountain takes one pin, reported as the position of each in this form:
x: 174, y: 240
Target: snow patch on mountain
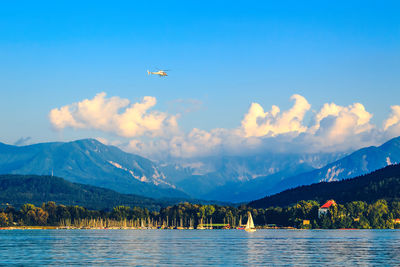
x: 332, y: 174
x: 116, y: 165
x: 364, y: 163
x: 157, y: 177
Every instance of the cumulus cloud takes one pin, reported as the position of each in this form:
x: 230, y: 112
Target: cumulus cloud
x: 336, y: 124
x: 156, y: 134
x: 115, y: 115
x: 259, y: 123
x: 394, y: 118
x: 392, y: 124
x: 332, y: 128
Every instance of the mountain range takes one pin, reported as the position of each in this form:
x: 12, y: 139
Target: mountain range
x: 221, y: 178
x: 89, y: 162
x: 360, y: 162
x: 242, y: 178
x: 274, y: 173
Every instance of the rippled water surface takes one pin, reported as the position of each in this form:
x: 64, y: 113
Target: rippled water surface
x: 200, y: 247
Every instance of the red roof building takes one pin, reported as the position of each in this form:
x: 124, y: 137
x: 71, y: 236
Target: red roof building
x: 324, y: 208
x: 328, y: 204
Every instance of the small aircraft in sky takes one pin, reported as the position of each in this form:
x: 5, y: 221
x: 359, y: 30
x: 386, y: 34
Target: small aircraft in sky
x: 161, y: 73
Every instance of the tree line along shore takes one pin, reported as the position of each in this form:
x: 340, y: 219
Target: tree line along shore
x: 380, y: 214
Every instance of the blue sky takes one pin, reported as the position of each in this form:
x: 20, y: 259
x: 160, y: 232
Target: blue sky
x: 223, y: 57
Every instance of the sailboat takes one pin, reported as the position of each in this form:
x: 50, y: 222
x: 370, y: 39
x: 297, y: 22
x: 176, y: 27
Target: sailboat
x: 250, y: 224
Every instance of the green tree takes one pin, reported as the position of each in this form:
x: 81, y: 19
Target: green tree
x: 51, y: 209
x: 62, y: 213
x: 210, y: 209
x: 41, y: 216
x: 378, y: 214
x: 121, y: 212
x: 395, y: 208
x: 3, y: 219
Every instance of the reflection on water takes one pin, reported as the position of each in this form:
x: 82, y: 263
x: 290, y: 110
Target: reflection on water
x: 200, y: 247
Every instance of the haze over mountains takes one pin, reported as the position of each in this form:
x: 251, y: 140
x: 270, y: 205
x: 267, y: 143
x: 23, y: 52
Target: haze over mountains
x: 234, y: 179
x: 244, y: 178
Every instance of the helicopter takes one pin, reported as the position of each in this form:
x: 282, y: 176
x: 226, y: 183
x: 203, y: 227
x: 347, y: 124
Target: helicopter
x: 160, y: 73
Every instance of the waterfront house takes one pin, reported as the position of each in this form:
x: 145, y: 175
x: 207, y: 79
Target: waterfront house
x: 324, y: 208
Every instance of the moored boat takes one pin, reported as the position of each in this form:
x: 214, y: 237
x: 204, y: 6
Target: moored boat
x: 250, y: 224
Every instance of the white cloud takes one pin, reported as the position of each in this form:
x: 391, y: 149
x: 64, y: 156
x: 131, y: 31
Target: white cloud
x: 391, y: 125
x: 62, y: 117
x: 156, y: 134
x: 394, y: 118
x: 259, y: 123
x: 336, y: 123
x: 115, y: 115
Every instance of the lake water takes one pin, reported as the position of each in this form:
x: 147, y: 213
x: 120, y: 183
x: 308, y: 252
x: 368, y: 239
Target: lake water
x: 200, y: 247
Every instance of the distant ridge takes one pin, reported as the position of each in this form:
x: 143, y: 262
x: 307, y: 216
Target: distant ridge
x: 360, y: 162
x: 288, y: 171
x: 380, y: 184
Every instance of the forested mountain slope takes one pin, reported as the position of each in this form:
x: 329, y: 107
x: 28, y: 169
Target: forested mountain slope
x: 381, y: 184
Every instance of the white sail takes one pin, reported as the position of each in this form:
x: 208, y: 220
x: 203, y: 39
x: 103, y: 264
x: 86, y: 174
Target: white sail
x: 251, y: 221
x: 250, y: 224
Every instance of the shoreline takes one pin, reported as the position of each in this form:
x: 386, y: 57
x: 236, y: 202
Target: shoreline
x: 152, y: 228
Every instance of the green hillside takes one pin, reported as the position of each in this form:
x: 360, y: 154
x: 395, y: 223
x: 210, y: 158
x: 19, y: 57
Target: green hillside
x: 20, y: 189
x: 381, y: 184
